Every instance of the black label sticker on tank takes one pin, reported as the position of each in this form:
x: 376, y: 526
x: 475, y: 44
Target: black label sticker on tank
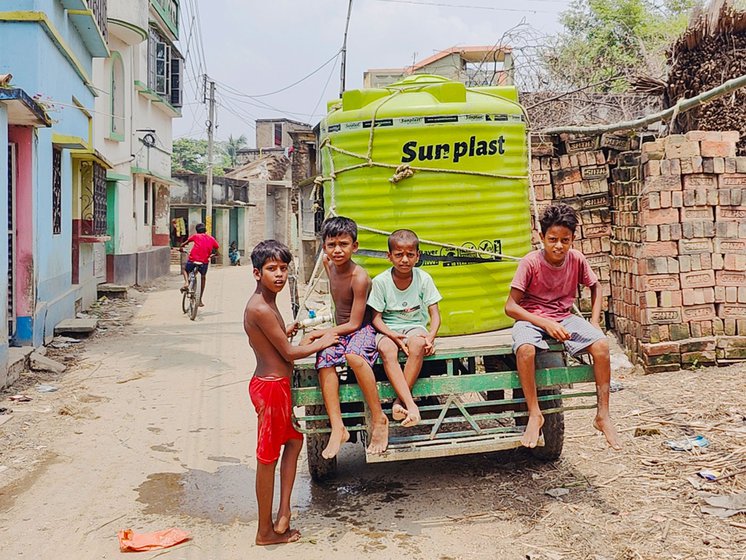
x: 382, y: 122
x: 446, y: 256
x: 441, y: 119
x: 460, y: 257
x: 432, y: 120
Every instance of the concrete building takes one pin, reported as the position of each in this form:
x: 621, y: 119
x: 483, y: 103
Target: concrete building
x: 308, y: 200
x: 140, y: 94
x: 233, y: 210
x: 49, y: 47
x: 273, y: 137
x: 20, y: 115
x: 473, y: 65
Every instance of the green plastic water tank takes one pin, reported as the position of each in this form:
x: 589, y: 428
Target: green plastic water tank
x: 442, y: 130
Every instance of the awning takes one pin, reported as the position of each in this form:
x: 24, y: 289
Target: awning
x: 22, y: 109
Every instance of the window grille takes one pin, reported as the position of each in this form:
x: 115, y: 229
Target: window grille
x: 56, y: 191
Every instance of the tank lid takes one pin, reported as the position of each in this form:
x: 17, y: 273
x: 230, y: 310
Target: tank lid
x: 420, y: 80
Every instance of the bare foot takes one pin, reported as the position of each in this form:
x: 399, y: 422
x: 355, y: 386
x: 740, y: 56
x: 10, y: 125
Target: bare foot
x: 184, y: 289
x: 201, y: 304
x: 379, y: 437
x: 398, y: 412
x: 531, y: 434
x: 603, y: 424
x: 273, y: 537
x: 336, y: 439
x: 282, y: 524
x: 412, y: 418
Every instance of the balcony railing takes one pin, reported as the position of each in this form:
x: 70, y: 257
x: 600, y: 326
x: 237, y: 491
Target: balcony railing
x: 89, y: 18
x: 169, y: 12
x: 98, y: 7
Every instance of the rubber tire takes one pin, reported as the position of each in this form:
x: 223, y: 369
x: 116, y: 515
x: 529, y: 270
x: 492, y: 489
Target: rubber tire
x: 185, y: 302
x: 194, y: 299
x: 320, y: 469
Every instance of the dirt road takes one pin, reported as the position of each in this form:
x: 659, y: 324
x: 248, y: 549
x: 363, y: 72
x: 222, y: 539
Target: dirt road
x: 152, y: 428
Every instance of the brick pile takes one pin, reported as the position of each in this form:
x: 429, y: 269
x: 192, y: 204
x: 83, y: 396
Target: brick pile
x: 678, y: 251
x: 576, y: 171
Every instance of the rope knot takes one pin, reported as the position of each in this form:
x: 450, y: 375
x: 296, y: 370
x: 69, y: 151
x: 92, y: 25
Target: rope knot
x: 404, y: 171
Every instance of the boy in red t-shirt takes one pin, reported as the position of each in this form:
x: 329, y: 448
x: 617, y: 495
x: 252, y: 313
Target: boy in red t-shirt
x: 199, y: 256
x: 541, y: 298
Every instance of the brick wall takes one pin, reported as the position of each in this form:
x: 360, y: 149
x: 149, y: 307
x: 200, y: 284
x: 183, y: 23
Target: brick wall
x: 667, y: 237
x: 679, y: 251
x: 576, y: 171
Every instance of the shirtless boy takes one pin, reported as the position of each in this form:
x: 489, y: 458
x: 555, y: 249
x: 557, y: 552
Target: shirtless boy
x: 349, y: 284
x: 540, y: 300
x: 269, y: 389
x: 403, y: 298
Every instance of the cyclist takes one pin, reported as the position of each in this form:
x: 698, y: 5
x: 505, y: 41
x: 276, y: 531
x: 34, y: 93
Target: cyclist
x: 204, y: 245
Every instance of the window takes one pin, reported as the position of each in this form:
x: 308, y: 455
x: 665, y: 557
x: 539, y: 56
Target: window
x: 117, y: 97
x: 176, y: 73
x: 278, y: 134
x: 93, y: 198
x: 148, y: 186
x: 165, y: 68
x: 56, y: 191
x: 162, y: 76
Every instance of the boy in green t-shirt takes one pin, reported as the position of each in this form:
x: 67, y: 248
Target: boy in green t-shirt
x: 403, y: 298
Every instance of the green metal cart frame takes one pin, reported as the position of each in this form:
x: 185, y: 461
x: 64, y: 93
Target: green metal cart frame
x: 458, y: 423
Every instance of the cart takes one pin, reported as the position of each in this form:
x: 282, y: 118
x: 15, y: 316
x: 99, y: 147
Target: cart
x: 471, y: 402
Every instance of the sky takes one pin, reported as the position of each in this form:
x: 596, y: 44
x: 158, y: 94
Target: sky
x: 252, y: 49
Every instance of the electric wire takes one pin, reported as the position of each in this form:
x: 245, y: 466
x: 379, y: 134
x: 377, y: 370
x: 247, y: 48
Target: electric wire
x: 466, y: 6
x: 334, y: 57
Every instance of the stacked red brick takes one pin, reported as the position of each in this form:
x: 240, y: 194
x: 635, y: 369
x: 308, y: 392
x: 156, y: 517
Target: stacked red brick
x: 576, y: 171
x: 679, y: 251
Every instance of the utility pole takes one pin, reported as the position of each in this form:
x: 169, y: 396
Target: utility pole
x: 344, y: 53
x: 210, y: 147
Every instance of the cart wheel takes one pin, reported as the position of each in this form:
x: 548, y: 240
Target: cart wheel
x: 321, y: 469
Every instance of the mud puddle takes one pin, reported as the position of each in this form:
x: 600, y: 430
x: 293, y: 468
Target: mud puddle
x: 224, y: 496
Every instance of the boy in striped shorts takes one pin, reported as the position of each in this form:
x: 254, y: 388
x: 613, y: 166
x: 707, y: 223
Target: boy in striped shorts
x: 541, y: 298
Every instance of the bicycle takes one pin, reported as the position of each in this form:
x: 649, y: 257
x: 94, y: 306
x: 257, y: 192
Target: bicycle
x: 191, y: 295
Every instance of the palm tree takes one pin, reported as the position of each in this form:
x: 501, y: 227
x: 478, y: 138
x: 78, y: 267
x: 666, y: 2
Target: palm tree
x: 233, y: 145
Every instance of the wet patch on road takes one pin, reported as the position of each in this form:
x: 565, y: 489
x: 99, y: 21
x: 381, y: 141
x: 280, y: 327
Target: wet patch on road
x: 224, y: 496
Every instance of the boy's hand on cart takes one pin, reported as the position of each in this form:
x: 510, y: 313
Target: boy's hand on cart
x: 291, y: 329
x: 556, y: 331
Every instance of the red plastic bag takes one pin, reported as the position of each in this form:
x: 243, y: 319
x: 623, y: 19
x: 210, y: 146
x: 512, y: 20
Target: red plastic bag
x: 129, y: 541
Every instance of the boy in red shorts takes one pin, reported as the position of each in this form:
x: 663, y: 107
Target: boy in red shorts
x: 270, y: 389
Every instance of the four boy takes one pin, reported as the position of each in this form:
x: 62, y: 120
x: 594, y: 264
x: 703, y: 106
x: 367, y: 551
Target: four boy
x: 390, y: 314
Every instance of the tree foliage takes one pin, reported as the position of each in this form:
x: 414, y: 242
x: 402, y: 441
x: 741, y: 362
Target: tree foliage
x: 191, y: 155
x: 232, y: 145
x: 606, y: 42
